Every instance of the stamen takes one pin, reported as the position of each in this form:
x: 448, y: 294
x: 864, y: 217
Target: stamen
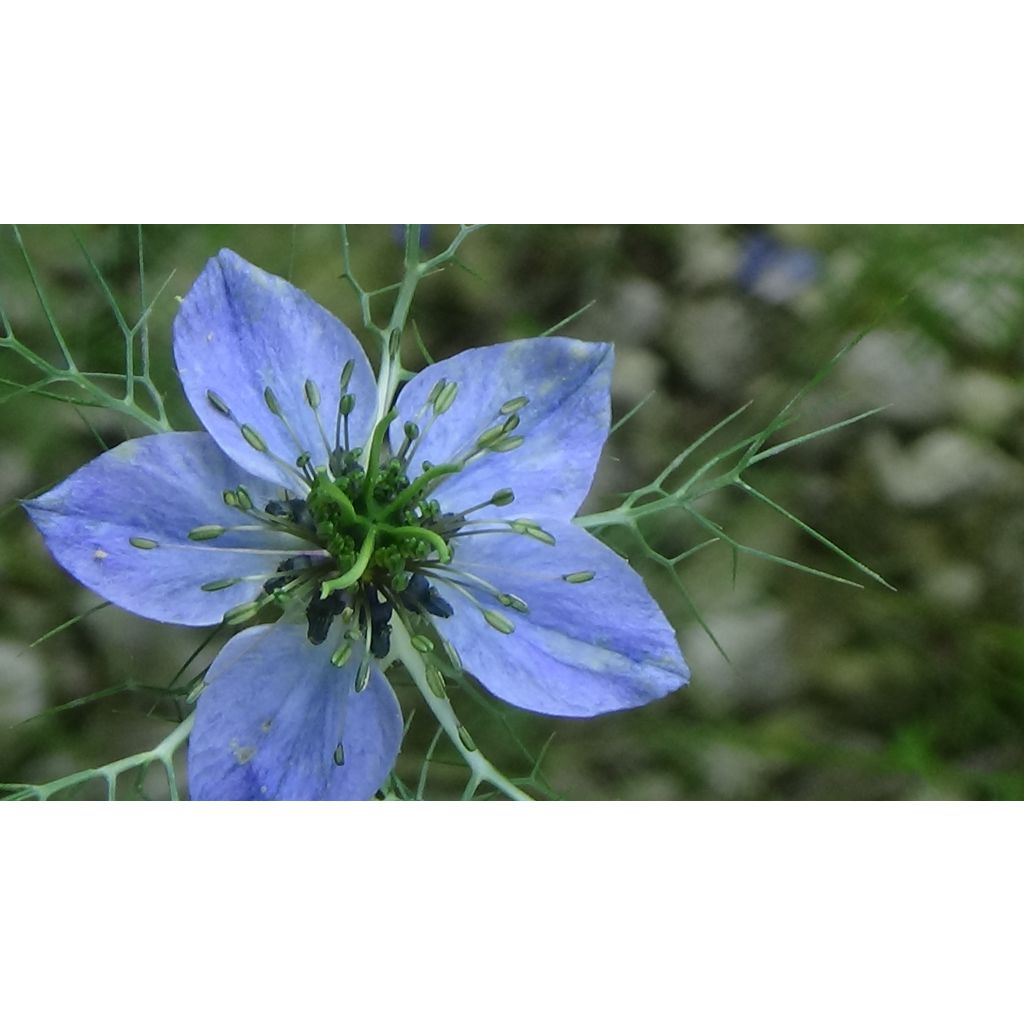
x: 578, y: 577
x: 412, y: 431
x: 435, y: 680
x: 272, y: 403
x: 342, y: 654
x: 508, y: 600
x: 511, y: 601
x: 254, y: 439
x: 363, y: 674
x: 453, y: 655
x: 218, y: 403
x: 216, y: 585
x: 339, y: 755
x: 312, y: 394
x: 143, y: 543
x: 207, y: 532
x: 467, y: 740
x: 498, y: 621
x: 422, y: 643
x: 514, y: 405
x: 446, y: 397
x: 242, y: 613
x: 508, y: 444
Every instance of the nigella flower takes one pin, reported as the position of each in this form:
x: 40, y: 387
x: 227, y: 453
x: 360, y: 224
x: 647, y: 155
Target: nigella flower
x: 448, y: 514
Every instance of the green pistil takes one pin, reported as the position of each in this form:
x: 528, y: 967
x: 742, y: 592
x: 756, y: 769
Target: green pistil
x: 360, y: 566
x: 427, y: 536
x: 373, y: 462
x: 419, y: 486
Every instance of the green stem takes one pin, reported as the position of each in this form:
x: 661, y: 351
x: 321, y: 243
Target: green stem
x: 481, y: 770
x: 163, y: 752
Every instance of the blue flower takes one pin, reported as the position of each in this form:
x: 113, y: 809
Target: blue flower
x: 774, y: 271
x: 451, y: 513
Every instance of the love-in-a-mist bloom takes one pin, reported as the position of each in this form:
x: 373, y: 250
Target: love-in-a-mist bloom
x: 451, y: 511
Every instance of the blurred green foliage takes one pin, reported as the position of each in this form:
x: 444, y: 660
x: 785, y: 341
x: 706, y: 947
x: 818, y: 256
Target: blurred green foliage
x: 829, y: 692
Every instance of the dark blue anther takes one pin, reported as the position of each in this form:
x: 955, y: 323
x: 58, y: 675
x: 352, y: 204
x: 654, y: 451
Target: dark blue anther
x: 380, y: 631
x: 420, y: 596
x: 320, y: 613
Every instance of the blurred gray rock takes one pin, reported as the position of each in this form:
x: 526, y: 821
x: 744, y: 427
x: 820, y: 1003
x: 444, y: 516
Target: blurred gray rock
x: 758, y: 670
x: 633, y: 315
x: 900, y: 370
x: 943, y: 465
x: 713, y: 342
x: 985, y: 401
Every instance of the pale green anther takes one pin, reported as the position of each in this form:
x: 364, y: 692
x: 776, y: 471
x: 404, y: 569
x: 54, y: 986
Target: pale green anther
x: 423, y: 644
x: 510, y: 424
x: 206, y: 532
x: 346, y: 373
x: 411, y: 431
x: 435, y: 391
x: 241, y: 613
x: 467, y: 740
x: 436, y: 682
x: 507, y: 444
x: 339, y: 755
x: 143, y: 543
x: 446, y: 398
x: 498, y: 621
x: 193, y: 694
x: 511, y: 601
x: 488, y: 437
x: 218, y: 585
x: 304, y: 460
x: 231, y: 499
x: 312, y: 394
x: 271, y: 399
x: 503, y: 497
x: 514, y: 405
x: 453, y: 655
x: 578, y: 577
x: 348, y: 613
x: 341, y: 655
x: 244, y: 499
x: 218, y: 403
x: 347, y: 404
x: 538, y: 534
x: 363, y: 675
x: 253, y: 438
x: 522, y: 525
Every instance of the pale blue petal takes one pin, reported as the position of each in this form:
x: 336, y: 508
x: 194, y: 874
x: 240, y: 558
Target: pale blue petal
x: 581, y: 649
x: 565, y: 424
x: 241, y: 330
x: 157, y: 488
x: 273, y: 714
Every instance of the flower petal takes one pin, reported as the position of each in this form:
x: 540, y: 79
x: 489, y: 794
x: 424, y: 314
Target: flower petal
x: 241, y: 330
x: 564, y: 426
x: 155, y: 489
x: 272, y: 716
x: 581, y: 648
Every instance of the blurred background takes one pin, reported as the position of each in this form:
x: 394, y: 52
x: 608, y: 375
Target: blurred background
x: 829, y: 692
